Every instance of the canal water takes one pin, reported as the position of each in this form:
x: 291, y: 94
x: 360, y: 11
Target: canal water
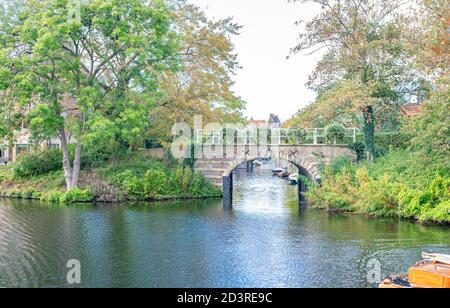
x: 265, y: 241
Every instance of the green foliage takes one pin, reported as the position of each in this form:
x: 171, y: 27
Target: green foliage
x: 28, y: 193
x: 5, y: 173
x: 52, y: 197
x: 396, y: 185
x: 73, y: 196
x: 155, y: 183
x: 359, y: 148
x: 376, y: 197
x: 430, y: 131
x: 143, y: 179
x: 340, y: 164
x: 306, y: 180
x: 335, y: 133
x: 100, y: 141
x: 132, y: 185
x: 40, y: 163
x: 70, y: 70
x: 387, y: 141
x: 77, y: 196
x: 439, y: 214
x: 44, y: 120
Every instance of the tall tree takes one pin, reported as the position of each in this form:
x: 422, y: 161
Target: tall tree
x: 203, y: 84
x: 362, y: 41
x: 10, y: 114
x: 342, y: 103
x: 431, y: 40
x: 71, y: 72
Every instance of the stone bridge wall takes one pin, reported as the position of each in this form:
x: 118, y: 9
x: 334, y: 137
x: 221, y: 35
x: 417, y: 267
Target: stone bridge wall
x: 307, y: 158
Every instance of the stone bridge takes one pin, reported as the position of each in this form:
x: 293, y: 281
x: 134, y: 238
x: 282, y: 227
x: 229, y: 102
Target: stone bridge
x: 307, y: 158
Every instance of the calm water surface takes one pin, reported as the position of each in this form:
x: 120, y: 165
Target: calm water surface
x: 266, y: 241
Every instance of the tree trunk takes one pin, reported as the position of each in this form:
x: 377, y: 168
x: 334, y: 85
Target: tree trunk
x: 369, y: 132
x: 68, y: 174
x: 77, y: 164
x: 10, y: 149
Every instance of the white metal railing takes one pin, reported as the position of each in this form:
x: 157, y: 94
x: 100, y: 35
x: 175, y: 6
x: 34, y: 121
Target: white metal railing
x: 251, y: 136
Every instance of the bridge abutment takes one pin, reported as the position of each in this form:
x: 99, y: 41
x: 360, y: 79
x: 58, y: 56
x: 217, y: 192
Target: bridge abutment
x: 228, y: 192
x: 302, y: 189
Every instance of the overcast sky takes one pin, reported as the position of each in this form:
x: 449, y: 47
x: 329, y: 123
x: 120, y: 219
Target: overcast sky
x: 268, y: 82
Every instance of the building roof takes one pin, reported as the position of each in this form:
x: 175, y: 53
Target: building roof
x: 274, y: 119
x: 412, y: 110
x: 258, y: 122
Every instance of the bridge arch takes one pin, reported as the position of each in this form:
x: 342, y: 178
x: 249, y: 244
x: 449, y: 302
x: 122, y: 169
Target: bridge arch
x: 304, y: 167
x: 309, y: 170
x: 307, y: 158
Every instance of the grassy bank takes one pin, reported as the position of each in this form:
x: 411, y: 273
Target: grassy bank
x: 135, y: 178
x: 400, y: 184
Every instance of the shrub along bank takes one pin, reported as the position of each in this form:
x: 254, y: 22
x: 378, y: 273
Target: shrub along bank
x: 134, y: 178
x: 398, y: 184
x: 141, y: 179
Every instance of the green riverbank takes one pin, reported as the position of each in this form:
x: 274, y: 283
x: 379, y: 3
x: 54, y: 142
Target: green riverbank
x: 397, y: 185
x: 135, y: 178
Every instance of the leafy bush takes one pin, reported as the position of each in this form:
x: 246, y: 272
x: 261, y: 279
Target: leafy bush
x: 439, y: 214
x: 52, y: 197
x: 31, y: 193
x: 391, y: 141
x: 131, y: 185
x: 306, y: 181
x: 340, y: 164
x: 360, y: 149
x: 77, y: 196
x: 377, y: 197
x: 430, y: 130
x: 155, y: 184
x: 183, y: 178
x: 396, y: 185
x: 74, y: 196
x: 38, y: 164
x: 153, y: 179
x: 335, y: 133
x: 5, y: 174
x: 100, y: 144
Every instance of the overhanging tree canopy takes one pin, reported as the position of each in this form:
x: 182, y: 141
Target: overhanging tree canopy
x: 68, y: 73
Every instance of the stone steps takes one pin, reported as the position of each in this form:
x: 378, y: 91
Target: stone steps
x: 213, y: 169
x: 210, y: 174
x: 211, y: 165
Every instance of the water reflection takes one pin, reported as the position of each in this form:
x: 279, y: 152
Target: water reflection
x: 266, y: 241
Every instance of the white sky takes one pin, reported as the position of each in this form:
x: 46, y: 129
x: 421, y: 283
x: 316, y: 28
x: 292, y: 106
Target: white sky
x: 268, y: 82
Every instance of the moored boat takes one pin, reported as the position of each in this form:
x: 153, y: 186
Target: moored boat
x: 277, y: 171
x: 257, y: 163
x: 293, y: 179
x: 432, y: 272
x: 284, y: 174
